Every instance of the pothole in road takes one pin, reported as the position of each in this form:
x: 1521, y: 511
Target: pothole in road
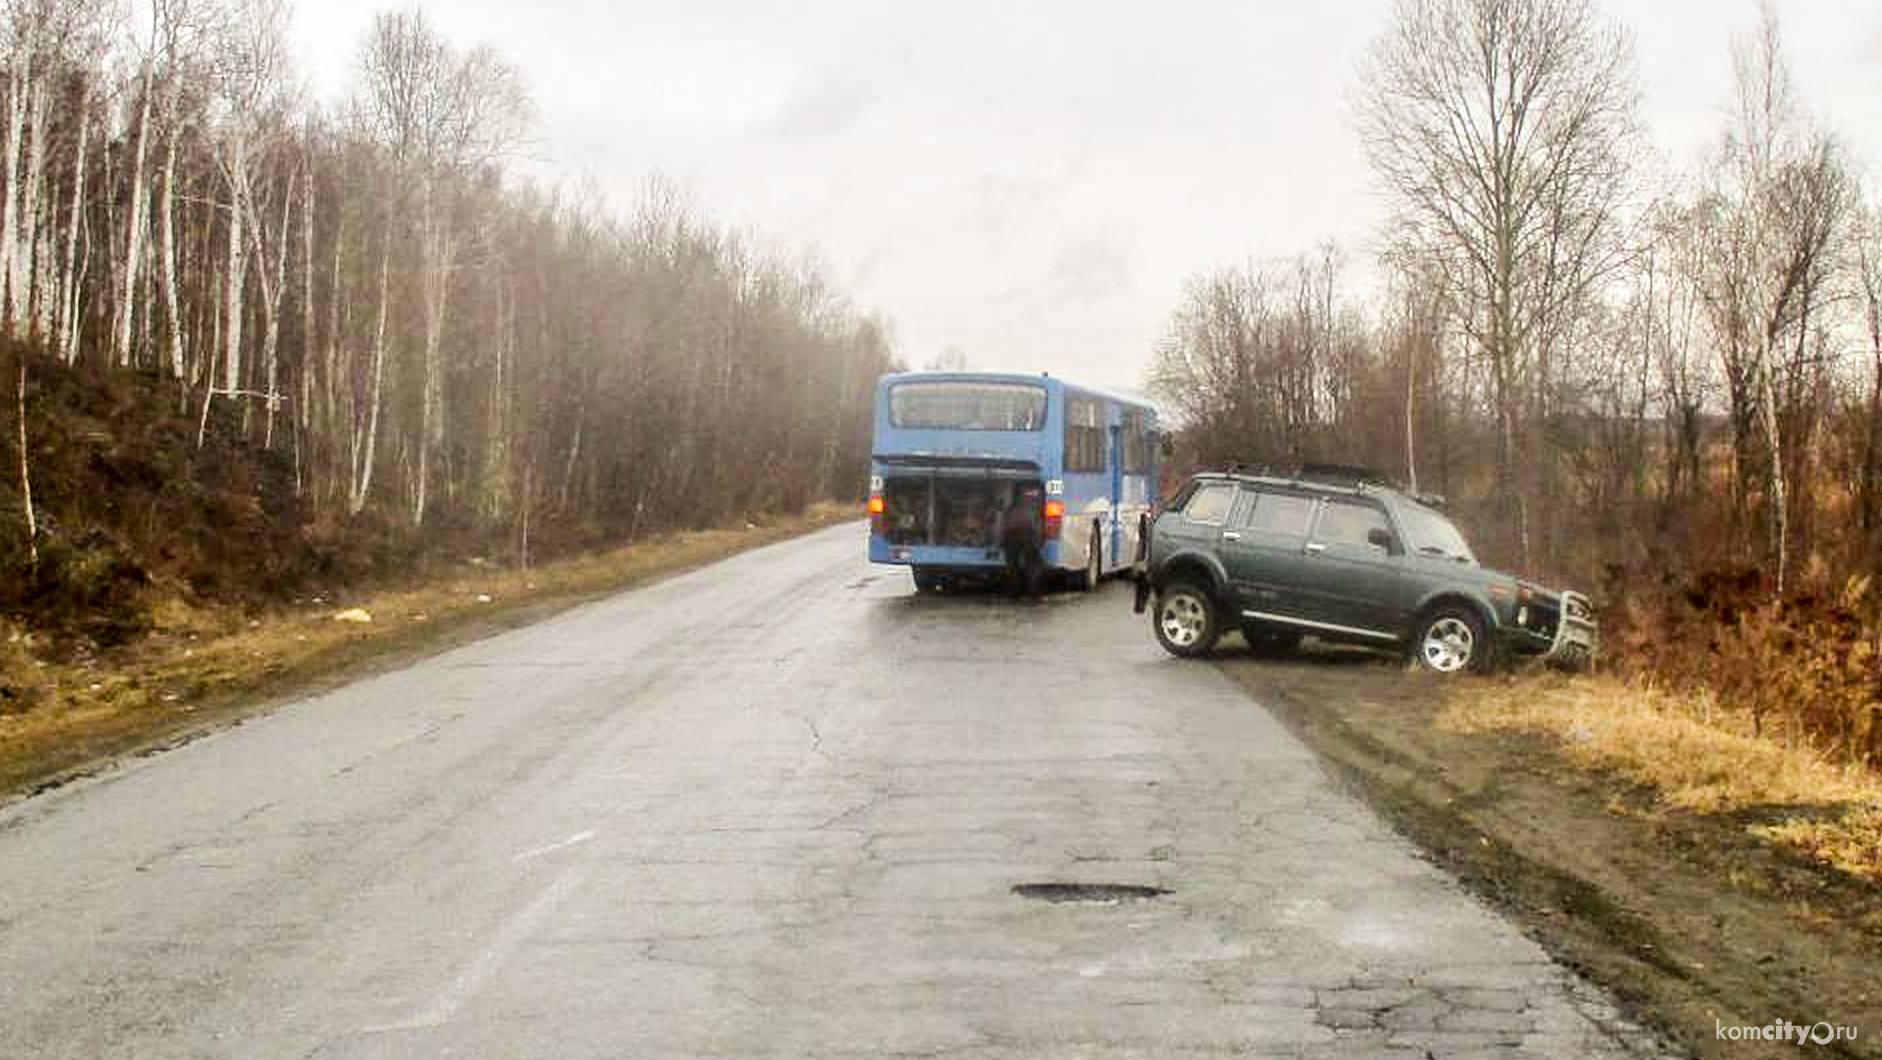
x: 1089, y: 893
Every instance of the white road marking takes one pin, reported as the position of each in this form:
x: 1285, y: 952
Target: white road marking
x: 503, y: 943
x: 574, y: 840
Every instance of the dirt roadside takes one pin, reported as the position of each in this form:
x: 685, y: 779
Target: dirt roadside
x: 167, y: 691
x: 1692, y: 922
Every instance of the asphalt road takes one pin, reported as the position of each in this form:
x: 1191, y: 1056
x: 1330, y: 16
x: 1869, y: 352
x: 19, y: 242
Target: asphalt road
x: 776, y: 807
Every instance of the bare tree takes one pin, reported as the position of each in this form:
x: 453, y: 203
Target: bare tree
x: 950, y: 359
x: 1502, y: 132
x: 254, y: 91
x: 1868, y: 276
x: 43, y: 45
x: 1761, y: 251
x: 440, y: 116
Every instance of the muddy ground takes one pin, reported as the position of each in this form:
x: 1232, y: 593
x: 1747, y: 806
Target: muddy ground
x: 1688, y: 919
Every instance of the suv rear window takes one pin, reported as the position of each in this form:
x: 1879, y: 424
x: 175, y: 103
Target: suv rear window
x: 1278, y: 513
x: 1210, y: 503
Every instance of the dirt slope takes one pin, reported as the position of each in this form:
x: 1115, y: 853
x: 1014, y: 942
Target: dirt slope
x: 1691, y: 921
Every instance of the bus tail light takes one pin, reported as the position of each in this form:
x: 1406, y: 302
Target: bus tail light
x: 877, y: 508
x: 1055, y: 519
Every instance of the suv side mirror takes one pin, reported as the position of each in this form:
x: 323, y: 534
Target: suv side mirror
x: 1382, y: 538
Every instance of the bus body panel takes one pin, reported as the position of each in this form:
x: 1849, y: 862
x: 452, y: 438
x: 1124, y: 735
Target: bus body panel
x: 941, y: 485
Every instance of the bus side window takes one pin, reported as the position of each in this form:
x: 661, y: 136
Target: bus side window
x: 1084, y: 435
x: 1136, y: 443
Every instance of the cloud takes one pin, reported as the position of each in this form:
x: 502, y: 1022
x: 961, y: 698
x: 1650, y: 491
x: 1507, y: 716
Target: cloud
x: 822, y: 109
x: 1088, y: 267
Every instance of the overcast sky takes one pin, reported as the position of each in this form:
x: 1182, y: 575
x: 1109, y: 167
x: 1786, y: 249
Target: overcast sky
x: 1032, y: 182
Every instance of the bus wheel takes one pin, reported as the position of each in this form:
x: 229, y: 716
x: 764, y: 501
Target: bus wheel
x: 1185, y: 619
x: 1094, y: 561
x: 926, y: 581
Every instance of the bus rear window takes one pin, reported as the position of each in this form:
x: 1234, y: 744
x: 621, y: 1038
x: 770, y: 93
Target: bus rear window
x: 967, y: 406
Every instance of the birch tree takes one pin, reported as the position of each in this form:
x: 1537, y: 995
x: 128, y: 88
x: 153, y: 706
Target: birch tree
x: 253, y: 93
x: 1502, y: 132
x: 1868, y: 279
x: 44, y: 44
x: 1761, y: 252
x: 439, y: 116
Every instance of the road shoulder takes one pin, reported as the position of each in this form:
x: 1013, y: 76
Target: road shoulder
x: 168, y: 691
x: 1687, y: 918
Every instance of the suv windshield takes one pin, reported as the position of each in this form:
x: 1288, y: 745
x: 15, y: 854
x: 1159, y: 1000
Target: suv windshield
x: 1432, y: 534
x: 968, y: 406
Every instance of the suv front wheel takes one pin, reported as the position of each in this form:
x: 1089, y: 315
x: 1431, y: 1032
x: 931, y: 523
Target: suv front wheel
x: 1451, y: 640
x: 1186, y: 619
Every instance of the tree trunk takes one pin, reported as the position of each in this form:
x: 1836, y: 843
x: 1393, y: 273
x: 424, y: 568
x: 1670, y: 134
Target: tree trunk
x: 1871, y: 486
x: 66, y: 340
x: 305, y: 413
x: 166, y: 229
x: 10, y: 207
x: 1776, y: 503
x: 440, y: 251
x: 33, y: 201
x: 273, y: 290
x: 26, y: 474
x: 1411, y: 392
x: 232, y: 367
x: 133, y: 230
x: 363, y: 456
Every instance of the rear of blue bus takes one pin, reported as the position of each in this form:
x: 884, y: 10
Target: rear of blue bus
x: 952, y: 453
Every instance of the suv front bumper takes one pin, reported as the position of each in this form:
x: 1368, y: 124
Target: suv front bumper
x: 1576, y: 636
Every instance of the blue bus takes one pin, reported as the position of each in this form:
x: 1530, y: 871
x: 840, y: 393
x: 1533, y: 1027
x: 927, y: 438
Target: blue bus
x: 953, y: 449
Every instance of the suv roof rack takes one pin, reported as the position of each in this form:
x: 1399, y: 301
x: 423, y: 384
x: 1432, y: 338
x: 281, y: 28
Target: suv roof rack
x: 1344, y: 475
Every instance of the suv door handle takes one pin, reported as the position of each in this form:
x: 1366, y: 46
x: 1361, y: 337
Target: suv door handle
x: 1314, y: 548
x: 1230, y: 535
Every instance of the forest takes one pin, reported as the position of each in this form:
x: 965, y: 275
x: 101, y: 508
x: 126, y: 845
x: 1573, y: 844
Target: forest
x: 254, y: 341
x: 1659, y: 382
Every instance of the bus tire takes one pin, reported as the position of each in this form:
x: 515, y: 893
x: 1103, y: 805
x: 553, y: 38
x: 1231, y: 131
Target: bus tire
x: 1186, y: 619
x: 1094, y: 560
x: 926, y: 581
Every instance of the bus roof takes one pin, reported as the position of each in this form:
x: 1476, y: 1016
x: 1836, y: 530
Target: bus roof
x: 1122, y: 397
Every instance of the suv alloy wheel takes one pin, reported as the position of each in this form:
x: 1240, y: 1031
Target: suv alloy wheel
x: 1451, y: 640
x: 1185, y: 618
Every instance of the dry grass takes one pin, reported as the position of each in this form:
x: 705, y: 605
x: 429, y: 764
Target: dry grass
x: 1695, y: 755
x: 1853, y: 844
x: 201, y: 667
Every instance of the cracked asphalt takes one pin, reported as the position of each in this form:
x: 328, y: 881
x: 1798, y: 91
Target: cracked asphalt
x: 772, y: 808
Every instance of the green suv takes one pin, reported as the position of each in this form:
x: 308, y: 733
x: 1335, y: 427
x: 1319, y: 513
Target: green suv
x: 1337, y: 554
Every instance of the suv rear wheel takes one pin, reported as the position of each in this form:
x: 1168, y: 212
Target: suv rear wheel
x: 1186, y: 619
x: 1451, y: 640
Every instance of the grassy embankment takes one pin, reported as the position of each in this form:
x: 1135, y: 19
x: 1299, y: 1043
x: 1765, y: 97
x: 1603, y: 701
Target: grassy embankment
x: 1721, y: 699
x: 1695, y: 754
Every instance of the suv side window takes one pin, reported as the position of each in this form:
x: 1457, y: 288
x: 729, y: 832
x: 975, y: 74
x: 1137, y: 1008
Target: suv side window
x: 1347, y: 522
x: 1210, y: 503
x: 1284, y: 514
